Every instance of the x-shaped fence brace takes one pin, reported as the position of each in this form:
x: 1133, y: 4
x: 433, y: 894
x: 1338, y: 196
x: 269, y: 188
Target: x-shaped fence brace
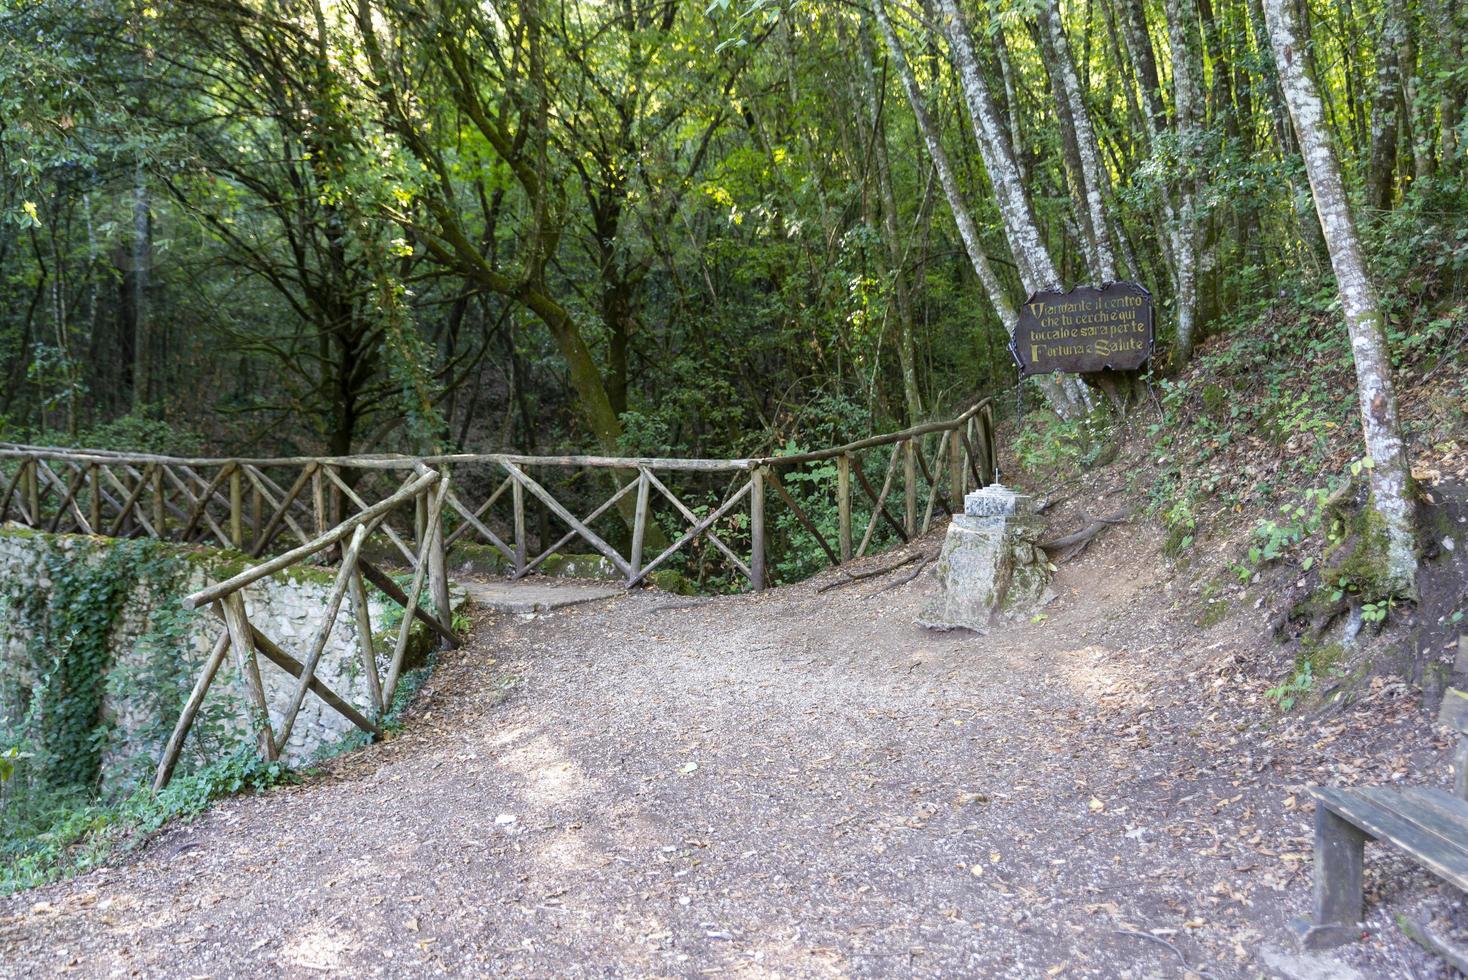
x: 246, y: 642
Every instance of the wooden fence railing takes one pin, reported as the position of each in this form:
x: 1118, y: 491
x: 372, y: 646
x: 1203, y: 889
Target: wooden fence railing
x: 258, y: 506
x: 327, y: 509
x: 427, y: 488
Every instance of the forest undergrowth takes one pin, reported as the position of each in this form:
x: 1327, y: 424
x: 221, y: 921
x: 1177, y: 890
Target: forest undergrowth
x: 1250, y: 464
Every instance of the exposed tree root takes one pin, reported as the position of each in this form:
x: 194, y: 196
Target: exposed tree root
x: 902, y: 581
x: 1069, y: 545
x: 850, y: 577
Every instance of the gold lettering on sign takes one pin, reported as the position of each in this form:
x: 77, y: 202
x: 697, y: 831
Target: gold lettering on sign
x: 1086, y: 329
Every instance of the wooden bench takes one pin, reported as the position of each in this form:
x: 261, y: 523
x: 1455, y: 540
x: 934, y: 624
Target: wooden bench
x: 1429, y: 825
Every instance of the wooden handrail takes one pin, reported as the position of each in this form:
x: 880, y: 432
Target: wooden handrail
x: 886, y: 439
x: 427, y: 486
x: 378, y: 461
x: 219, y: 590
x: 395, y: 461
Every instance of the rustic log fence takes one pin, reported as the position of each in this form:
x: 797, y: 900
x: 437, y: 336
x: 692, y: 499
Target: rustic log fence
x: 285, y: 511
x: 257, y: 506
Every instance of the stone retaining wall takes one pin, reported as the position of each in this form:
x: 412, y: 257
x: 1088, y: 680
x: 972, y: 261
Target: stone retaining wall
x: 157, y: 648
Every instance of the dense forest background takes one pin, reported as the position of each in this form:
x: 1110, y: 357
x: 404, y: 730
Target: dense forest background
x: 305, y: 225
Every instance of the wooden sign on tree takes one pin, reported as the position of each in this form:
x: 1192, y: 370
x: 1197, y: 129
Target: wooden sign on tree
x: 1085, y: 330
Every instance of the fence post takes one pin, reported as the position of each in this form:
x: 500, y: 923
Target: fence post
x: 10, y: 486
x: 160, y: 511
x: 318, y: 500
x: 420, y: 520
x: 955, y: 468
x: 639, y: 526
x: 94, y: 475
x: 32, y: 492
x: 979, y: 439
x: 236, y: 507
x: 242, y: 644
x: 992, y: 473
x: 334, y: 499
x: 257, y: 517
x: 843, y: 504
x: 909, y: 479
x: 517, y: 499
x: 438, y: 575
x: 757, y: 529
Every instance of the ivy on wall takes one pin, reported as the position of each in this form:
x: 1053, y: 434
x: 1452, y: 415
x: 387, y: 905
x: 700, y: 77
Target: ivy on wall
x: 101, y: 658
x: 71, y: 653
x: 70, y: 621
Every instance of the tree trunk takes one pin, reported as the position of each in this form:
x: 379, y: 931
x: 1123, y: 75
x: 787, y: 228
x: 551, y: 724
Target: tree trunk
x: 1066, y: 400
x: 1133, y: 20
x: 1352, y: 49
x: 1092, y: 170
x: 1385, y: 107
x: 1027, y: 244
x: 892, y: 236
x: 1184, y: 225
x: 1284, y: 136
x: 1390, y: 477
x: 1416, y: 111
x: 1070, y: 152
x: 968, y: 232
x: 1011, y: 100
x: 1450, y: 52
x: 142, y: 257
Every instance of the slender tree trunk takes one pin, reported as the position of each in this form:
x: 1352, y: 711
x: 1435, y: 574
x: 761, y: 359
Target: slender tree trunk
x: 1416, y: 111
x: 1065, y: 403
x: 1132, y: 23
x: 1220, y: 95
x: 1352, y: 51
x: 1314, y: 251
x: 1027, y: 244
x: 892, y: 236
x: 65, y: 362
x: 1011, y: 101
x: 1450, y: 104
x: 1083, y: 230
x: 1093, y: 171
x: 1390, y: 477
x: 1385, y: 107
x: 94, y: 279
x: 968, y: 232
x: 1184, y: 226
x: 906, y: 328
x: 1133, y: 20
x: 142, y: 255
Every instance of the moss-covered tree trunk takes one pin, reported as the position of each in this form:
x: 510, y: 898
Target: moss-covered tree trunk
x: 1390, y: 477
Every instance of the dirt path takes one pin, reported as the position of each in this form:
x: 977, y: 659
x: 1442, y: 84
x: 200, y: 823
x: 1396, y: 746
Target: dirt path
x: 791, y: 784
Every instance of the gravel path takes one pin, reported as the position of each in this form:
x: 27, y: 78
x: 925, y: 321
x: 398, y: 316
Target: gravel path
x: 794, y: 784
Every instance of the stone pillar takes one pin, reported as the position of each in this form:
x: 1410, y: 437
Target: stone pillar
x: 990, y: 564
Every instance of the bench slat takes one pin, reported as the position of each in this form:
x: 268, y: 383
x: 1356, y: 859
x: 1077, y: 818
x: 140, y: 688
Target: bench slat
x: 1454, y: 710
x: 1446, y: 859
x: 1417, y: 807
x: 1451, y: 807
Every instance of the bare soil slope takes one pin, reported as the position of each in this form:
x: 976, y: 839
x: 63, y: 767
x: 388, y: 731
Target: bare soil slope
x: 795, y: 784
